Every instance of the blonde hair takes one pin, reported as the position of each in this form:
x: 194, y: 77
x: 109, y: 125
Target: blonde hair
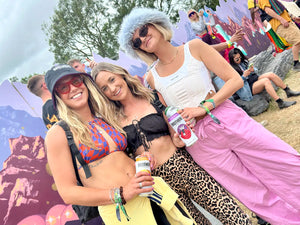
x: 149, y: 58
x: 135, y: 86
x: 98, y: 105
x: 193, y: 10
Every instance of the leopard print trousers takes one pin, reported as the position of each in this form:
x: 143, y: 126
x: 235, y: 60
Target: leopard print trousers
x: 190, y: 181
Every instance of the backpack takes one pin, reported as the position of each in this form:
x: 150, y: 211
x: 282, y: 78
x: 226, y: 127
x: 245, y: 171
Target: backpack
x: 84, y: 213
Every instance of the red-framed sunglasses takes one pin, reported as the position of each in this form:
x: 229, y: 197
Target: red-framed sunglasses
x: 64, y: 88
x: 142, y: 33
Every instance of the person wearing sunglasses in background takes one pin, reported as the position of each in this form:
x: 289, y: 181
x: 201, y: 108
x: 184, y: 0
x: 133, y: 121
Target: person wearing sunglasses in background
x: 259, y: 83
x: 253, y: 164
x: 141, y: 117
x: 112, y: 184
x: 202, y: 28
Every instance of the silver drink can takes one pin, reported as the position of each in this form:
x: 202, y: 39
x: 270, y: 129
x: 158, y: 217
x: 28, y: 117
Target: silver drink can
x: 142, y: 163
x: 180, y: 126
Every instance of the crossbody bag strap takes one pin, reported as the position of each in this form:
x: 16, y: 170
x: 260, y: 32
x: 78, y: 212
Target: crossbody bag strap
x: 74, y: 151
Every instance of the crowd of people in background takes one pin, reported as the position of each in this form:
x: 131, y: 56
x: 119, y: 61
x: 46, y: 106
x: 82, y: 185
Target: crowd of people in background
x: 114, y: 118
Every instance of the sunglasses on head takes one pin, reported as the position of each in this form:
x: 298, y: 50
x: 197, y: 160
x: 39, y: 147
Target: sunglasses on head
x: 192, y: 13
x: 142, y: 33
x: 64, y: 88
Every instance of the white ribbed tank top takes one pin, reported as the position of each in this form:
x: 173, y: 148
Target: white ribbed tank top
x: 188, y: 86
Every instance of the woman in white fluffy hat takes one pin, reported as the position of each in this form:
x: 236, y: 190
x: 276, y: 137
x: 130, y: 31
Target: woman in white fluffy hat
x: 253, y: 164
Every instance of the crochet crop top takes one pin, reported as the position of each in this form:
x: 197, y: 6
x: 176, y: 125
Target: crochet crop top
x: 148, y: 128
x: 188, y: 86
x: 102, y: 148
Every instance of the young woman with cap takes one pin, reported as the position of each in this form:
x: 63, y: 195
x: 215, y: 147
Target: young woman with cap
x: 253, y: 164
x: 141, y: 116
x: 113, y: 185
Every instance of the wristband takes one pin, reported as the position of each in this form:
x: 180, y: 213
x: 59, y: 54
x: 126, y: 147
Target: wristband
x: 110, y: 195
x: 211, y: 101
x: 205, y: 108
x: 229, y: 44
x: 215, y: 119
x: 119, y: 205
x: 117, y: 197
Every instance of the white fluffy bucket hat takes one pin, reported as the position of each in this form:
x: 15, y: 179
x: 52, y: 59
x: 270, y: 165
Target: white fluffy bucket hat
x: 136, y: 19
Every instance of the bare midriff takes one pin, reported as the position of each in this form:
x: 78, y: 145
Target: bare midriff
x: 113, y: 170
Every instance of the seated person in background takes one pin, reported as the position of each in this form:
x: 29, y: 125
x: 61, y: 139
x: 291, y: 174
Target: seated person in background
x: 256, y: 84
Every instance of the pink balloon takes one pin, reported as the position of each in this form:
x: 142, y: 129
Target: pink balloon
x: 53, y: 215
x: 33, y: 220
x: 68, y: 215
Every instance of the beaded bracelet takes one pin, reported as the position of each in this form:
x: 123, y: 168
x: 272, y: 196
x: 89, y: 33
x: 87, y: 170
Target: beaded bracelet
x: 122, y: 196
x: 229, y: 44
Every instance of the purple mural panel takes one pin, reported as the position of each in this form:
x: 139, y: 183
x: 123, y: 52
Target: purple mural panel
x: 233, y: 15
x: 18, y: 97
x: 26, y: 184
x: 20, y: 114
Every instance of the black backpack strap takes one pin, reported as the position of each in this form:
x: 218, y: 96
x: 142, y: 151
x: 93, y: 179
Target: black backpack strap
x: 74, y: 151
x: 157, y: 103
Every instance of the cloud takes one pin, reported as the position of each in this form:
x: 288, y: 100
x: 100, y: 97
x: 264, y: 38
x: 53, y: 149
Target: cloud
x: 24, y: 49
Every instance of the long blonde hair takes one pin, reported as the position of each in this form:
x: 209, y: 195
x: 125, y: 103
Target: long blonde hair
x: 136, y: 87
x: 98, y: 105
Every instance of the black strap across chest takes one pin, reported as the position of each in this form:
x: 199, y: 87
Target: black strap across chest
x: 75, y: 152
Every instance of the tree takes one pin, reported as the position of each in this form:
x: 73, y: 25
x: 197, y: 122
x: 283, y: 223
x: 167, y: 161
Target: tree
x: 79, y: 28
x: 23, y: 80
x: 13, y: 79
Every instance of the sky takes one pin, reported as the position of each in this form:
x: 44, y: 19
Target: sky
x: 24, y: 49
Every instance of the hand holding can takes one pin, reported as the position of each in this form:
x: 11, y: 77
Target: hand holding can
x: 142, y: 163
x: 180, y: 126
